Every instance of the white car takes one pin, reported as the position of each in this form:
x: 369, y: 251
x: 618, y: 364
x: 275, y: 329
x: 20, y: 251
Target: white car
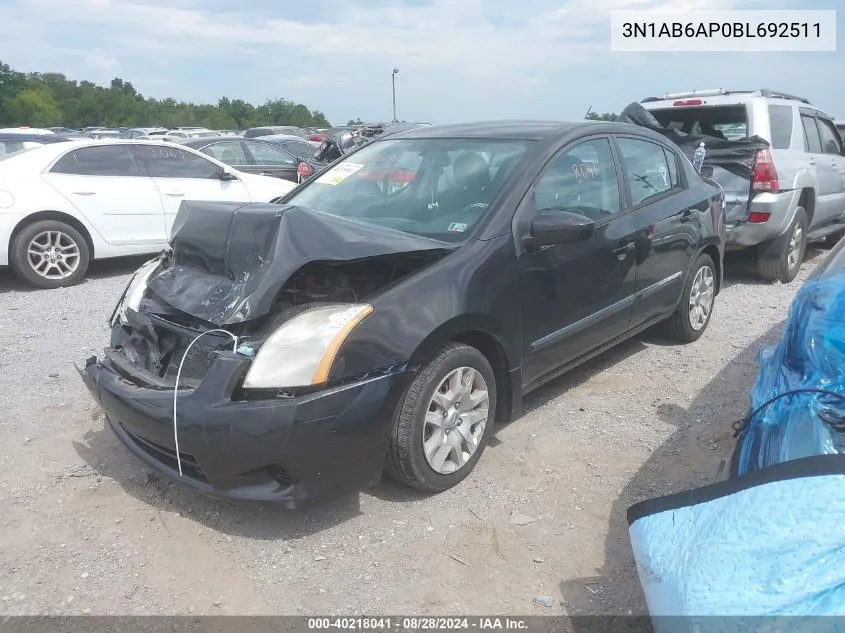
x: 65, y: 204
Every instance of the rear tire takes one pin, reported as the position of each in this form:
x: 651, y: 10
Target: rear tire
x: 50, y: 254
x: 691, y: 317
x: 426, y: 434
x: 786, y: 262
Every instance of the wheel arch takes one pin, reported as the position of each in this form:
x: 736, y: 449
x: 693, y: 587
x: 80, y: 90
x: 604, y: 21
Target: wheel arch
x: 52, y: 215
x: 807, y: 200
x: 713, y: 251
x: 488, y: 340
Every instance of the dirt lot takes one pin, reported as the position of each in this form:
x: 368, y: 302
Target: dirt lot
x: 88, y: 529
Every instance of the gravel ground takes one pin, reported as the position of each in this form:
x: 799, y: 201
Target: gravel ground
x: 88, y: 529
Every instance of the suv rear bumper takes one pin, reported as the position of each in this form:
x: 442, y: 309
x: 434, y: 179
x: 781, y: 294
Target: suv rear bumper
x: 779, y: 206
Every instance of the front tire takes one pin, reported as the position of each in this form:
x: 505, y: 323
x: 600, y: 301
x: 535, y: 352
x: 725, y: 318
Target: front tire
x: 441, y: 425
x: 693, y: 313
x: 50, y: 254
x: 786, y: 262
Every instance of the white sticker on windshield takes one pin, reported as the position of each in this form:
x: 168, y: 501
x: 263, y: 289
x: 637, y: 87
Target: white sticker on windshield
x: 458, y: 227
x: 339, y: 173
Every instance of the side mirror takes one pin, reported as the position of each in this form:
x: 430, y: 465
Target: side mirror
x: 226, y: 175
x: 559, y: 227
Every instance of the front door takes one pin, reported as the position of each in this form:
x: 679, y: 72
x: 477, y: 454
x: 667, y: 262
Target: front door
x: 270, y: 160
x: 181, y: 174
x: 576, y: 296
x: 105, y: 185
x: 667, y: 221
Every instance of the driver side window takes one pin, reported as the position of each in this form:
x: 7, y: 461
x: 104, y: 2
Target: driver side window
x: 581, y: 179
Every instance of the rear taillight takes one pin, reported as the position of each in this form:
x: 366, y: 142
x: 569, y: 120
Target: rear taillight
x: 304, y: 169
x: 765, y: 176
x: 756, y: 217
x: 688, y: 102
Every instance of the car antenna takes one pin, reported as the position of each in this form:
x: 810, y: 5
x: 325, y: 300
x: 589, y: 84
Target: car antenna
x: 586, y: 114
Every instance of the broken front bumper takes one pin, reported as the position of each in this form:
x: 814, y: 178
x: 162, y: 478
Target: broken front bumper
x: 280, y: 449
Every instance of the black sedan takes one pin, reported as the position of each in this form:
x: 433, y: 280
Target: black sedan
x: 252, y: 156
x: 384, y: 315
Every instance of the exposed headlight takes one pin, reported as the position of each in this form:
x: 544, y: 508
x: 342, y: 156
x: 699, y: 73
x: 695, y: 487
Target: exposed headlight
x: 302, y: 350
x: 134, y: 291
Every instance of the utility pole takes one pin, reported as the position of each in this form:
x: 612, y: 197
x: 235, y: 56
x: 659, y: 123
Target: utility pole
x: 393, y: 77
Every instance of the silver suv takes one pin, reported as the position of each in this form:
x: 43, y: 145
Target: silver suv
x: 797, y: 192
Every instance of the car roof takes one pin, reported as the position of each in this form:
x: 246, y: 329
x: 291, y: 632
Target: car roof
x: 45, y: 154
x: 506, y: 129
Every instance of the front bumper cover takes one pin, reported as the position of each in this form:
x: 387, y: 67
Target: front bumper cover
x: 289, y: 450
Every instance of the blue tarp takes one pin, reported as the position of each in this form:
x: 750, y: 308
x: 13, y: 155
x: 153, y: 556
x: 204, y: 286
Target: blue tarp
x: 770, y: 540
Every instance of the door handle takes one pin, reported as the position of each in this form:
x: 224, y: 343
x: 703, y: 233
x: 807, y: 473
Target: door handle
x: 175, y: 194
x: 833, y: 163
x: 84, y: 193
x: 812, y: 160
x: 622, y: 252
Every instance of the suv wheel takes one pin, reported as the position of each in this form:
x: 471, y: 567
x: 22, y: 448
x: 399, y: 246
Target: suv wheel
x: 786, y: 262
x: 443, y: 421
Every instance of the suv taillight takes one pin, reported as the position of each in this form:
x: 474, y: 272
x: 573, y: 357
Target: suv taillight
x: 304, y: 169
x: 765, y: 176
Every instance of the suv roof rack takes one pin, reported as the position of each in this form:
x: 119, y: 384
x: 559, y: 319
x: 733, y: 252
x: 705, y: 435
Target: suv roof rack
x: 718, y: 92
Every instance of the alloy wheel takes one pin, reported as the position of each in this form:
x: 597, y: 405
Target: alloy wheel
x: 53, y: 255
x: 455, y: 420
x: 701, y: 298
x: 793, y: 257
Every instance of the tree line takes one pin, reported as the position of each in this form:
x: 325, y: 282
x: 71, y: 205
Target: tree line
x: 52, y: 100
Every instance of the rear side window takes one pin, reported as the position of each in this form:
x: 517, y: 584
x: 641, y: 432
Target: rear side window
x: 672, y: 163
x: 829, y: 137
x: 170, y: 162
x: 780, y: 126
x: 646, y: 169
x: 230, y: 153
x: 269, y: 154
x: 108, y: 160
x: 8, y: 147
x: 812, y: 139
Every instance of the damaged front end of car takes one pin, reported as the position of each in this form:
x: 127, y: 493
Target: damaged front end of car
x: 223, y: 368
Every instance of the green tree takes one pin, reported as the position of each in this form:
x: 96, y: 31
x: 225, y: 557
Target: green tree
x: 40, y: 99
x: 355, y: 122
x: 595, y: 116
x: 35, y: 107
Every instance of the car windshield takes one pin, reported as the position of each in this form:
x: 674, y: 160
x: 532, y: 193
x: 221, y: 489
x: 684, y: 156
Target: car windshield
x: 438, y: 188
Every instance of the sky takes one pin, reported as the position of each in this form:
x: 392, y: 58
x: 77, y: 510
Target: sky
x: 458, y: 60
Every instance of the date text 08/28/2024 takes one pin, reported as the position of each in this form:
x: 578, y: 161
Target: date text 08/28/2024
x: 416, y: 623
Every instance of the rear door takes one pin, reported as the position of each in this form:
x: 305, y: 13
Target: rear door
x: 831, y: 163
x: 665, y: 219
x: 827, y: 180
x: 107, y: 187
x: 576, y: 296
x: 180, y: 174
x: 271, y: 160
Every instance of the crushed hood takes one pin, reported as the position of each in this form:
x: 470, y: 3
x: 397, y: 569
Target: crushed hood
x: 229, y: 260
